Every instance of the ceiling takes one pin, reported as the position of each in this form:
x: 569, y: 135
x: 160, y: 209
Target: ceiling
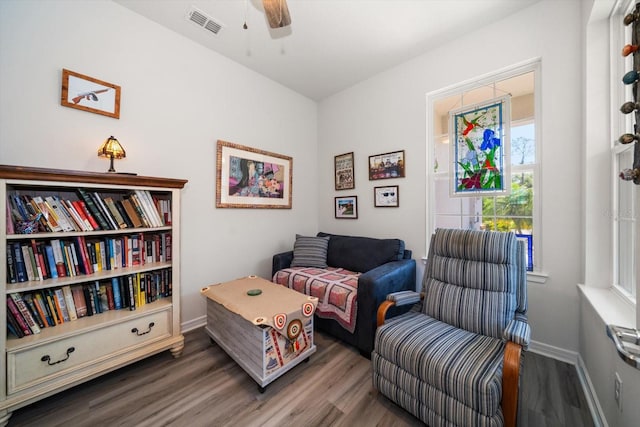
x: 331, y: 44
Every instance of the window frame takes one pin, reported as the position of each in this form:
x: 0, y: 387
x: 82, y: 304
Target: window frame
x: 533, y: 65
x: 621, y: 123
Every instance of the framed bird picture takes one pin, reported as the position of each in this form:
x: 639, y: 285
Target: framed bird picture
x: 90, y: 94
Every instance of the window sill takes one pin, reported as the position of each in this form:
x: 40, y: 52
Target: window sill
x: 610, y: 305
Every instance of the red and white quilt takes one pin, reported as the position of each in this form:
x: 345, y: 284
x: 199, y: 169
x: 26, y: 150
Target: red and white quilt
x: 335, y: 288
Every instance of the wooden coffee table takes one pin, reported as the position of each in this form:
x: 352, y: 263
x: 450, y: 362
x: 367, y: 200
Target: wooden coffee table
x: 266, y: 328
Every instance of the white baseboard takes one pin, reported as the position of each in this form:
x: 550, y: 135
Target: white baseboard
x: 557, y: 353
x: 193, y: 324
x: 590, y: 394
x: 575, y: 359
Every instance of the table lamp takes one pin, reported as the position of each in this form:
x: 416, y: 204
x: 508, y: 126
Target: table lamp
x: 113, y: 150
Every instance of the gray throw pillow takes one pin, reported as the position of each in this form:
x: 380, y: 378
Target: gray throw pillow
x: 310, y: 251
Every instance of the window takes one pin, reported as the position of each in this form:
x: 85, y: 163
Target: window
x: 517, y: 211
x: 626, y: 203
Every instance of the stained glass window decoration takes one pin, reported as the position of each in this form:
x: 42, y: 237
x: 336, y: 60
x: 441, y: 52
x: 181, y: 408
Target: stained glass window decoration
x: 480, y: 150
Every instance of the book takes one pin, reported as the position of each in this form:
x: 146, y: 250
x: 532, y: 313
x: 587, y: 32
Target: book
x: 103, y: 209
x: 33, y: 309
x: 9, y: 220
x: 43, y: 307
x: 137, y: 204
x: 35, y: 265
x: 81, y: 207
x: 53, y: 270
x: 24, y: 312
x: 50, y: 299
x: 58, y: 257
x: 68, y: 299
x: 96, y: 295
x: 132, y: 213
x: 29, y: 266
x: 106, y: 297
x: 75, y: 215
x: 73, y: 257
x: 61, y: 304
x: 91, y: 206
x: 79, y: 301
x: 21, y: 327
x: 88, y: 297
x: 123, y: 213
x: 38, y: 248
x: 130, y: 292
x: 110, y: 204
x: 49, y: 218
x: 84, y: 259
x: 13, y: 327
x: 149, y: 207
x: 115, y: 290
x: 21, y: 269
x: 11, y: 265
x: 64, y: 221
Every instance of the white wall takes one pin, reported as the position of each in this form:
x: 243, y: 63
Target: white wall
x: 178, y: 98
x: 388, y: 112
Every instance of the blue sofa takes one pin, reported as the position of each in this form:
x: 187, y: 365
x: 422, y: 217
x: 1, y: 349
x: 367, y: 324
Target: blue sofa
x: 386, y: 267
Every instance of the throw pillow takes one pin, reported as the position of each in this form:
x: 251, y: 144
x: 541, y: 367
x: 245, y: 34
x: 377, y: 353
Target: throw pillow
x: 310, y: 251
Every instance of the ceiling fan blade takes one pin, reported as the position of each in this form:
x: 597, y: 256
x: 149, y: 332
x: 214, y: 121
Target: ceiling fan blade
x: 277, y: 13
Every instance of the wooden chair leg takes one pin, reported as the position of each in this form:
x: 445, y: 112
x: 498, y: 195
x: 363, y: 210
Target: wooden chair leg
x: 510, y: 382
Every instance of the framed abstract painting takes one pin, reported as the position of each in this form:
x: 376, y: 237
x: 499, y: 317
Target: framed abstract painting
x: 251, y: 178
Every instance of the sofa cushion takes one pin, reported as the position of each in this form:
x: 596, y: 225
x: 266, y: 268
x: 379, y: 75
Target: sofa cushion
x: 309, y: 251
x: 362, y: 254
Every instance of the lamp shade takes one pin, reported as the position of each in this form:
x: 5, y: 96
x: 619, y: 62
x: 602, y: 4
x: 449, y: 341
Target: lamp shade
x: 112, y: 150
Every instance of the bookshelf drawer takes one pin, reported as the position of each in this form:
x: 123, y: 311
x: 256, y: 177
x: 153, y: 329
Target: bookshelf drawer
x: 82, y: 353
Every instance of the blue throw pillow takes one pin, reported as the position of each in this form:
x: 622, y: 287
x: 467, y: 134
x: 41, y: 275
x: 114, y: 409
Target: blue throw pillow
x: 310, y: 251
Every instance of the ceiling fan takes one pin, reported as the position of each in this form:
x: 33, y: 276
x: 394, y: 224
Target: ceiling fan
x: 277, y: 13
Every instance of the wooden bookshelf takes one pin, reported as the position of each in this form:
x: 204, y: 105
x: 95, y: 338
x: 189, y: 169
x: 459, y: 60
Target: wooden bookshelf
x: 40, y: 364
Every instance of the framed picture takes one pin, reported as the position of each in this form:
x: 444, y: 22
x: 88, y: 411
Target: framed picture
x: 347, y: 207
x: 387, y: 165
x: 481, y: 163
x: 252, y: 178
x: 89, y: 94
x: 343, y: 166
x: 386, y: 197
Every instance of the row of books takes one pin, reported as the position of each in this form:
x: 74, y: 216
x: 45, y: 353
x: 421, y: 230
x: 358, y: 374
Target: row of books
x: 89, y: 211
x: 38, y: 259
x: 30, y: 312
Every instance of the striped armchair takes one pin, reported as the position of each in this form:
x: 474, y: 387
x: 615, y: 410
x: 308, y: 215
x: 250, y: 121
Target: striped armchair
x: 455, y: 359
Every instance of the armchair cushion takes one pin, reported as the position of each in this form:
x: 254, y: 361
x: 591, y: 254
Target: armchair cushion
x: 310, y: 251
x: 433, y: 359
x: 519, y: 332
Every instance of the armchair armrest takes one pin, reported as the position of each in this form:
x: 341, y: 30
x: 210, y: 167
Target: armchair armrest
x: 519, y: 332
x: 510, y: 382
x: 280, y: 261
x: 396, y: 299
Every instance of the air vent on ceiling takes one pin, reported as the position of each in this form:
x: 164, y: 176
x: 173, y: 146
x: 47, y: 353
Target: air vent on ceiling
x: 204, y: 20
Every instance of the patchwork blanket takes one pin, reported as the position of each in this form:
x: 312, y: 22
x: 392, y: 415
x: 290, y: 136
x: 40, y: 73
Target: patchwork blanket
x: 335, y: 288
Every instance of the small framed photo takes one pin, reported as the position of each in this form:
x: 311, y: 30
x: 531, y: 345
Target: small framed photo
x: 343, y: 166
x: 347, y: 207
x: 386, y: 197
x: 89, y: 94
x: 387, y: 165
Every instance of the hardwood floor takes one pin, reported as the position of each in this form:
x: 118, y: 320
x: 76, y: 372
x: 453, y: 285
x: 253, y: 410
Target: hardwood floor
x: 205, y: 387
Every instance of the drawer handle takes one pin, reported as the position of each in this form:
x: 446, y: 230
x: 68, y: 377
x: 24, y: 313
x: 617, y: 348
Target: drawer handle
x: 138, y: 333
x: 47, y: 358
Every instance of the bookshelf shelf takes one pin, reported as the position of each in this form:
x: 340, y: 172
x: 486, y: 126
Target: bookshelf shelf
x: 109, y: 242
